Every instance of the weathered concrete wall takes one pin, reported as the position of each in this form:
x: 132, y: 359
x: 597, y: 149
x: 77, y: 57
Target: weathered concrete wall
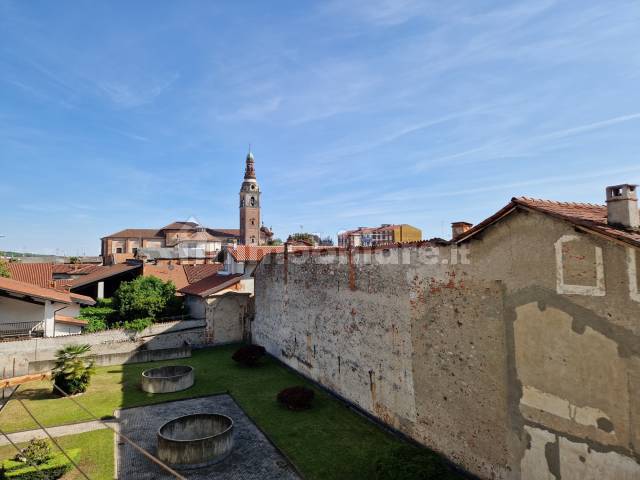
x: 227, y: 317
x: 16, y: 356
x: 516, y: 355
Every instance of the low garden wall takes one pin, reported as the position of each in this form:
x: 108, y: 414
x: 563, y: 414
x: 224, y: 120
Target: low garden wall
x: 137, y: 356
x: 113, y: 346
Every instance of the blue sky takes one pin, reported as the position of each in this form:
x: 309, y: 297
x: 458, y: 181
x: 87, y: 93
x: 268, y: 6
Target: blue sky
x: 134, y: 114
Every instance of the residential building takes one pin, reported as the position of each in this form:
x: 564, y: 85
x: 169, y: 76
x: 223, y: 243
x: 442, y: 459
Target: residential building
x: 28, y: 310
x: 104, y: 282
x: 243, y: 259
x: 225, y: 302
x: 382, y: 235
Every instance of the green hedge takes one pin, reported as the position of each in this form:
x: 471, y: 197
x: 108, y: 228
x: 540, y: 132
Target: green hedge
x: 53, y: 468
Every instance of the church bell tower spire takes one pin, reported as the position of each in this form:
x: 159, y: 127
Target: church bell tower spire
x: 250, y: 205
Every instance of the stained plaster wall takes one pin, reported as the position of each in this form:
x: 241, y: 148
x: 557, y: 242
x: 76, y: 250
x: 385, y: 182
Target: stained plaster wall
x: 227, y: 316
x: 515, y: 355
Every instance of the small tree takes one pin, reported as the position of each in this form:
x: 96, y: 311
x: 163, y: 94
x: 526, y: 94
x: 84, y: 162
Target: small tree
x: 144, y: 297
x: 72, y: 372
x: 4, y: 270
x: 74, y: 260
x: 309, y: 238
x: 36, y: 452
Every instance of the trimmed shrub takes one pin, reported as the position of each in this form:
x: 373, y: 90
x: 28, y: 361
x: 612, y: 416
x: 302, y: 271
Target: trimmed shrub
x: 412, y: 463
x: 37, y: 451
x: 53, y: 468
x: 249, y: 355
x: 72, y: 371
x: 296, y: 398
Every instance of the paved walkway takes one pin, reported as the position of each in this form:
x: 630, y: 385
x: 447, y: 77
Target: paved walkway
x: 58, y: 431
x: 253, y: 457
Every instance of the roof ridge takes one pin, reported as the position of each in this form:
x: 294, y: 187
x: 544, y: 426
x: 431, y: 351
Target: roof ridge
x: 557, y: 202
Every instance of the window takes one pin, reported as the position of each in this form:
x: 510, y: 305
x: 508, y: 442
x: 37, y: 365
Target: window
x: 253, y: 239
x: 119, y: 250
x: 253, y: 201
x: 253, y: 221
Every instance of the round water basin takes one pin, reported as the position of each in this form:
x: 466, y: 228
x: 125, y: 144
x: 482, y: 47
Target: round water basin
x: 195, y: 440
x: 171, y: 378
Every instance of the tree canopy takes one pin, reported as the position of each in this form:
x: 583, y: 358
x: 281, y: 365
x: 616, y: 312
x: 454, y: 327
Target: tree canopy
x: 144, y: 297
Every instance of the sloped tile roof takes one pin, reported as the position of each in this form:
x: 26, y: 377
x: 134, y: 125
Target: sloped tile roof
x: 181, y: 226
x: 195, y: 273
x: 212, y: 284
x: 587, y: 215
x: 137, y: 233
x: 74, y: 269
x: 251, y: 253
x: 40, y: 274
x: 174, y: 273
x: 70, y: 320
x: 224, y: 232
x: 31, y: 290
x: 102, y: 273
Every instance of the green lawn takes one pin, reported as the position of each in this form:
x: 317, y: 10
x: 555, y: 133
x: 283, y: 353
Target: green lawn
x: 329, y: 441
x: 96, y: 453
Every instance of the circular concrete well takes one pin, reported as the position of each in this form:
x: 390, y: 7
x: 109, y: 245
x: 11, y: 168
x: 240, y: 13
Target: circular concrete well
x: 171, y: 378
x: 195, y: 440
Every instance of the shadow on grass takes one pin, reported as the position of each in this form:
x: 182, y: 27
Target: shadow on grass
x: 35, y: 394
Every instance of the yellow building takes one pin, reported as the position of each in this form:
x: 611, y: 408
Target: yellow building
x: 384, y: 234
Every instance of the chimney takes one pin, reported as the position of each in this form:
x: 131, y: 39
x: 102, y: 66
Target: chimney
x: 458, y: 228
x: 622, y: 206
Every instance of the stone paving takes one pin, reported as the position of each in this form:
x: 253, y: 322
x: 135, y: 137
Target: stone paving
x: 254, y: 457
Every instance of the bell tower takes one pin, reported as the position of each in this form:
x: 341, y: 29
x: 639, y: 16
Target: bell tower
x: 250, y: 205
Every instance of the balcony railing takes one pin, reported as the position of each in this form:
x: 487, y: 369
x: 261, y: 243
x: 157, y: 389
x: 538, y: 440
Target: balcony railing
x: 21, y: 329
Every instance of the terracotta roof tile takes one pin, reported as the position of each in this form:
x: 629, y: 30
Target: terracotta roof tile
x: 136, y: 233
x: 70, y: 320
x: 74, y: 269
x: 174, y: 273
x: 250, y: 253
x: 224, y: 232
x: 195, y: 273
x: 212, y: 284
x: 103, y: 272
x: 40, y: 274
x: 28, y: 289
x: 181, y: 226
x: 587, y: 215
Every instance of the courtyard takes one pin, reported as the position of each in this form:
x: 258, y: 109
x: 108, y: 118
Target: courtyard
x: 329, y: 441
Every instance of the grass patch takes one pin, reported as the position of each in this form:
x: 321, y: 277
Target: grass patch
x: 329, y: 441
x: 95, y: 458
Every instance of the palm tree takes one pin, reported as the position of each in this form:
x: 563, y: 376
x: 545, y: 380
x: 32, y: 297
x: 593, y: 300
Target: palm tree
x: 72, y: 371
